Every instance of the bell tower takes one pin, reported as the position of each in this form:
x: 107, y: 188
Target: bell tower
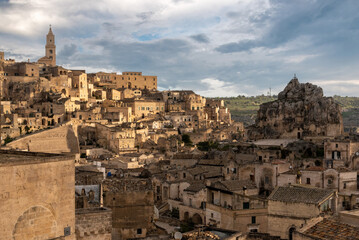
x: 50, y: 47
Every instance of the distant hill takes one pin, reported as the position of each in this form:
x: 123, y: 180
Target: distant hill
x: 244, y: 109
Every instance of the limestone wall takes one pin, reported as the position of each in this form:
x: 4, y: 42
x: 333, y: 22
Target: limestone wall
x: 37, y: 199
x: 57, y: 140
x: 93, y: 224
x: 132, y: 213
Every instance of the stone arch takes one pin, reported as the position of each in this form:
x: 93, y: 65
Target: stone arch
x: 197, y: 219
x: 291, y: 232
x: 36, y: 222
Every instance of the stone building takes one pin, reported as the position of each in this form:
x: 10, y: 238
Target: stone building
x: 24, y: 69
x: 194, y: 203
x: 235, y: 205
x: 50, y: 50
x: 291, y: 206
x: 344, y: 151
x: 116, y: 139
x: 341, y: 179
x: 79, y: 85
x: 132, y: 204
x: 37, y: 196
x: 143, y: 107
x: 130, y: 80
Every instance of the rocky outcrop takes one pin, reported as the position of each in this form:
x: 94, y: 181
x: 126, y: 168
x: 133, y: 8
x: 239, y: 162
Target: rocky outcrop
x: 300, y: 111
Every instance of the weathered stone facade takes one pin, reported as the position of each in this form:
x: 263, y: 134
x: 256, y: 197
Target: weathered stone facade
x: 132, y: 204
x: 37, y: 199
x: 93, y: 224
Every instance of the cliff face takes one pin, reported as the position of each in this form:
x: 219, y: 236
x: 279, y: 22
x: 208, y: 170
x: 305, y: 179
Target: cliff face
x: 300, y: 111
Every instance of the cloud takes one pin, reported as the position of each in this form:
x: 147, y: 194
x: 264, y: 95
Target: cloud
x: 236, y: 47
x: 67, y: 51
x: 201, y: 38
x: 200, y: 45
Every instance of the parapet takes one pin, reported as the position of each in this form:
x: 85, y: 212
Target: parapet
x: 10, y: 157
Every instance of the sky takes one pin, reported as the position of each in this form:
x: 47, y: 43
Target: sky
x: 216, y: 48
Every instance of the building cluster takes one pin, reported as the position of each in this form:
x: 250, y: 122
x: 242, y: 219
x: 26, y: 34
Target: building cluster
x: 108, y: 156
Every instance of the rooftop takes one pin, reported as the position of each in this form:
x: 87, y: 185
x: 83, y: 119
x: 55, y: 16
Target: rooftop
x: 233, y: 185
x: 300, y: 194
x: 332, y: 229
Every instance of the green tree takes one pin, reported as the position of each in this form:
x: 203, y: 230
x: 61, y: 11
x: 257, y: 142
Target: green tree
x: 187, y: 140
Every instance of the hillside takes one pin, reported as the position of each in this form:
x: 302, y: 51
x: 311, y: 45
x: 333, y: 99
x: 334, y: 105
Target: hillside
x: 244, y: 109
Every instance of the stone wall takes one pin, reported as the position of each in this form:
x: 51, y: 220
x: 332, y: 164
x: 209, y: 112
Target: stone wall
x: 132, y: 205
x: 282, y: 216
x: 57, y: 140
x: 93, y: 224
x: 37, y: 198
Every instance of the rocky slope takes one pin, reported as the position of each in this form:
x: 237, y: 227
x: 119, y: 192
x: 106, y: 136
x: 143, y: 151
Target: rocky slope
x: 300, y: 111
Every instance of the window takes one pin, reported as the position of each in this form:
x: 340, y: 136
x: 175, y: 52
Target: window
x: 190, y: 202
x: 251, y: 177
x: 345, y: 185
x: 211, y: 215
x: 139, y: 231
x: 245, y: 205
x: 336, y: 145
x: 184, y: 175
x: 308, y: 180
x: 253, y: 219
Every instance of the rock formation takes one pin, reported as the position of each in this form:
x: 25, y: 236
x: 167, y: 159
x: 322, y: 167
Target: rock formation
x: 300, y: 111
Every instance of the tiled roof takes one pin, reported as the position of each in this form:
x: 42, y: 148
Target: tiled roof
x: 213, y: 162
x: 300, y: 194
x: 196, y: 187
x: 331, y: 229
x: 314, y: 168
x: 234, y: 185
